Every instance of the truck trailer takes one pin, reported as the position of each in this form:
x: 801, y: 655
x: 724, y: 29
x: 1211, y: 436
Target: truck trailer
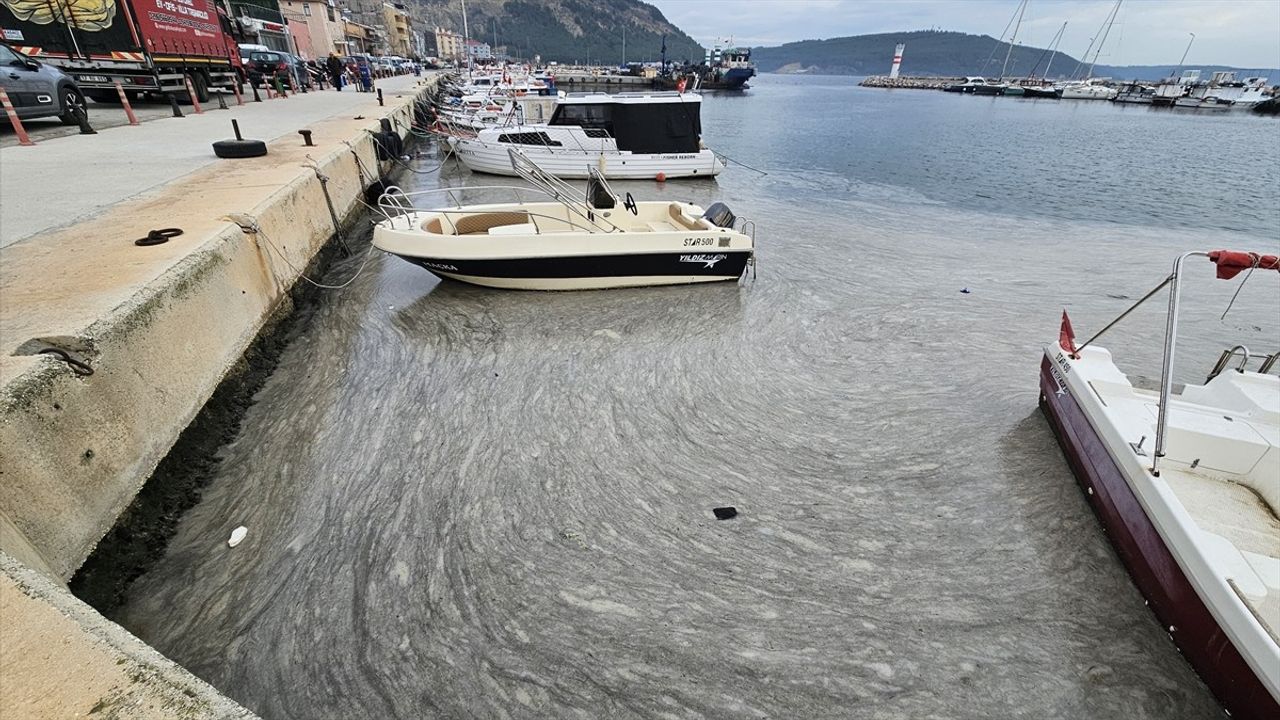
x: 148, y: 46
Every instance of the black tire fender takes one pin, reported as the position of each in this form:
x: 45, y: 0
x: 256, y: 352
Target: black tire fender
x: 239, y: 148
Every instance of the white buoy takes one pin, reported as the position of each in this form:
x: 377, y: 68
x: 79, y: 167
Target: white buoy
x: 237, y: 535
x: 897, y: 60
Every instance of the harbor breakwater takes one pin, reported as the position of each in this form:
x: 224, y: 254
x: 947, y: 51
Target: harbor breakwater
x: 908, y: 83
x: 83, y: 427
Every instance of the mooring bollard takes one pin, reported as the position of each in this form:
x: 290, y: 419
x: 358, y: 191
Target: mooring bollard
x: 124, y: 102
x: 379, y: 96
x: 306, y: 138
x: 191, y: 93
x: 13, y: 119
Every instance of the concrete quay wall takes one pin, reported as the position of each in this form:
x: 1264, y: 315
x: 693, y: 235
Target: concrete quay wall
x: 76, y: 449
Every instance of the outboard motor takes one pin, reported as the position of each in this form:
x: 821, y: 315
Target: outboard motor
x: 720, y: 215
x: 598, y: 196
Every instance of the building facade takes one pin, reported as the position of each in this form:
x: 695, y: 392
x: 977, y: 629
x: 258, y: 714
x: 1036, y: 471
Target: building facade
x: 399, y: 30
x: 315, y: 25
x: 477, y: 50
x: 449, y: 45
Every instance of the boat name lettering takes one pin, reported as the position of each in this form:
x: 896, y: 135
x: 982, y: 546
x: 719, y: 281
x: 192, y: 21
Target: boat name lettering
x: 440, y: 266
x: 710, y: 260
x: 1061, y: 360
x: 694, y: 242
x: 679, y: 157
x: 1062, y: 386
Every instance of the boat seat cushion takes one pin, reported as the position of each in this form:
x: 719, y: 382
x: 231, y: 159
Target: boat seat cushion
x: 680, y: 219
x: 518, y: 229
x: 480, y: 223
x: 661, y: 226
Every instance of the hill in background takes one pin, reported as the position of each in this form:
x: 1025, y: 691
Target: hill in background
x: 564, y: 30
x: 944, y: 54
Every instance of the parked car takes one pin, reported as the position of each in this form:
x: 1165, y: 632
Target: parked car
x: 38, y: 89
x: 273, y: 63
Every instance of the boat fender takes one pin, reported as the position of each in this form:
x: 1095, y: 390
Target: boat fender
x: 388, y: 144
x: 720, y: 215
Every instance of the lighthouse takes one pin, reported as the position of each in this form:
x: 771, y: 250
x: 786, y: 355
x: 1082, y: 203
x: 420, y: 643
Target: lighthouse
x: 897, y: 60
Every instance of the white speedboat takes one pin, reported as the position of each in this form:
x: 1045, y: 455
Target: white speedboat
x: 1186, y: 484
x: 636, y: 136
x: 566, y: 243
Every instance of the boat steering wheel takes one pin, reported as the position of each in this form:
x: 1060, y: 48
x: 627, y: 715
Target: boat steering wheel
x: 630, y: 204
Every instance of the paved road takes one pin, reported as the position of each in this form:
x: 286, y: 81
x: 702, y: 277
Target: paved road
x: 101, y: 116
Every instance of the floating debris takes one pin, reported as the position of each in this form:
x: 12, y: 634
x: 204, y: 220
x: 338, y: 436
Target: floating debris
x: 237, y: 536
x: 727, y: 512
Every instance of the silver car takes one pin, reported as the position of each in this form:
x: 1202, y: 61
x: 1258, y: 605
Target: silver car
x: 37, y: 89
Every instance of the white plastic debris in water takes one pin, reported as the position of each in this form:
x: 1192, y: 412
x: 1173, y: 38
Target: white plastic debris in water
x: 237, y: 535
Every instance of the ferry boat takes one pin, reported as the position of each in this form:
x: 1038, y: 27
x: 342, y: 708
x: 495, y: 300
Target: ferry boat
x: 560, y: 242
x: 623, y: 136
x: 1186, y: 483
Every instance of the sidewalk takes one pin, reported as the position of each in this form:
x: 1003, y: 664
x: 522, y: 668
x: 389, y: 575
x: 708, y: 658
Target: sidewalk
x: 60, y: 182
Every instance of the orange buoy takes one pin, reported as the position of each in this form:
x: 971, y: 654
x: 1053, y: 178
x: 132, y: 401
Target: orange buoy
x: 662, y: 177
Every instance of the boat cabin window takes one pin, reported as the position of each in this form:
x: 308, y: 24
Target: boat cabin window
x: 529, y: 138
x: 587, y: 116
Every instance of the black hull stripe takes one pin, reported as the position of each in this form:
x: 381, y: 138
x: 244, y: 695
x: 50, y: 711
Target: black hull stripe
x: 707, y: 263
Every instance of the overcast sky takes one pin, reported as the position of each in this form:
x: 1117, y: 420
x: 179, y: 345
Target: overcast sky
x: 1243, y: 33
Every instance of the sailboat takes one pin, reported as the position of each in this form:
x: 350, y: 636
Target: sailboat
x: 1091, y: 88
x: 999, y: 86
x: 1044, y: 89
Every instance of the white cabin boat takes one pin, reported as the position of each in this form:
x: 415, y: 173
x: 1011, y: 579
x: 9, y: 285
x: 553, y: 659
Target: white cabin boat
x: 1186, y: 484
x: 1092, y: 89
x: 623, y: 136
x: 561, y: 242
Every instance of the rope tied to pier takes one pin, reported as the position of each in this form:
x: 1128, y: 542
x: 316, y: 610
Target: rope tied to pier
x: 249, y: 226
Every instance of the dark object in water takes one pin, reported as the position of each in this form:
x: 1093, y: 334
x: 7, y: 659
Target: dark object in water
x: 1270, y: 106
x: 725, y: 513
x: 965, y: 290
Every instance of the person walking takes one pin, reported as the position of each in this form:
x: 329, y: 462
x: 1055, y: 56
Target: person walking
x: 334, y: 66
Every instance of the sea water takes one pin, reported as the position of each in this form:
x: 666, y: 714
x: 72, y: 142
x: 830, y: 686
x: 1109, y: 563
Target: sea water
x: 472, y: 503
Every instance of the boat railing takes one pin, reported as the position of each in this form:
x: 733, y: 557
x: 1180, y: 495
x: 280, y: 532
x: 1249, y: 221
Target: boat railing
x: 395, y: 202
x: 559, y: 190
x: 1171, y: 336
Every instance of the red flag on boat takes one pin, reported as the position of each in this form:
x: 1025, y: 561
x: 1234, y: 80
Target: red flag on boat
x: 1067, y: 336
x: 1230, y: 262
x: 680, y: 85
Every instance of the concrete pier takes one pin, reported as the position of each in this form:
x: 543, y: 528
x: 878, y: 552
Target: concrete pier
x: 159, y: 327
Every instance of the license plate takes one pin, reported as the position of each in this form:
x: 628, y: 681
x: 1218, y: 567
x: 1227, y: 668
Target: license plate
x: 93, y: 78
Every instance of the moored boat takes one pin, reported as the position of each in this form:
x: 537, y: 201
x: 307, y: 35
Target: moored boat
x: 623, y: 136
x: 563, y: 243
x: 1186, y: 484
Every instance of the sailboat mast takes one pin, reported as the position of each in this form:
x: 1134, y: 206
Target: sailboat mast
x: 1054, y: 48
x: 466, y: 37
x: 1106, y: 30
x: 1022, y: 8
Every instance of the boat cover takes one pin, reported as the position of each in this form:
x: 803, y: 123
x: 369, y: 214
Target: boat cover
x: 1231, y: 262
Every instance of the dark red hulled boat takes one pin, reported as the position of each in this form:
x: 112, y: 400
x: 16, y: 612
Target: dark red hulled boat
x: 1187, y: 486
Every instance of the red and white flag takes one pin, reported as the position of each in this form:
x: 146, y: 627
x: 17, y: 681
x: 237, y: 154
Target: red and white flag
x: 1067, y: 336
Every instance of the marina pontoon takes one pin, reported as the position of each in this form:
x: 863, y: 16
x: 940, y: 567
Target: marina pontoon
x: 1186, y: 482
x: 565, y: 240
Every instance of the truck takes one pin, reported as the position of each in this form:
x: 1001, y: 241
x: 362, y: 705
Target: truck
x: 148, y: 46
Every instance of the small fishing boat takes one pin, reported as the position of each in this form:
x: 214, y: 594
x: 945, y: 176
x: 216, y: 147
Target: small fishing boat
x: 1186, y: 482
x: 1135, y: 93
x: 566, y: 240
x: 623, y: 136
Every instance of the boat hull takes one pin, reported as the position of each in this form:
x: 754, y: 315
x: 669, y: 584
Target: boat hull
x: 1046, y: 93
x: 1148, y: 559
x: 589, y: 272
x: 492, y: 158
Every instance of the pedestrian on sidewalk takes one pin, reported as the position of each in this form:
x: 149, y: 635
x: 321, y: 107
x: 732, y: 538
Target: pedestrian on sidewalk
x: 334, y: 66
